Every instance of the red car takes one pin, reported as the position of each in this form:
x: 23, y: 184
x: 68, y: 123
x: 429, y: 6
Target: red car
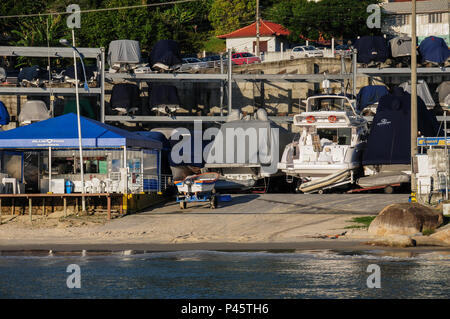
x: 244, y: 58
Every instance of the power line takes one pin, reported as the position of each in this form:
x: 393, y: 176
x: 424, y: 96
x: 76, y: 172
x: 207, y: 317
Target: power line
x: 98, y: 10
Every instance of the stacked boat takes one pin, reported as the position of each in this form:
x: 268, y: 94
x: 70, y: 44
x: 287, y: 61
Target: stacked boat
x: 328, y: 150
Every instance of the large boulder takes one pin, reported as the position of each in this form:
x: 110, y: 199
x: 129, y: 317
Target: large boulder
x: 443, y: 235
x: 405, y: 219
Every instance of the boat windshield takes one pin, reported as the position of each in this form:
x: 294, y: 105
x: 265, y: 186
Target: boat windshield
x: 341, y: 136
x: 329, y: 104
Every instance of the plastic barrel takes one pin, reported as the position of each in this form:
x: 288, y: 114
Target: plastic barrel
x: 69, y: 187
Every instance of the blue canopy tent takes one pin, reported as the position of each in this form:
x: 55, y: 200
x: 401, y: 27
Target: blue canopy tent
x: 4, y: 115
x: 109, y: 147
x: 62, y: 132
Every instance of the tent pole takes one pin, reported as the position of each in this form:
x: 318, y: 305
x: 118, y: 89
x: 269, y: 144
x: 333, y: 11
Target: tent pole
x: 49, y: 169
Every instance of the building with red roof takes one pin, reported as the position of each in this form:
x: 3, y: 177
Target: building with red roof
x: 272, y: 37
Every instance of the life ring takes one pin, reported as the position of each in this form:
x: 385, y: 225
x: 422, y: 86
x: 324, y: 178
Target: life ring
x: 310, y: 119
x: 332, y: 119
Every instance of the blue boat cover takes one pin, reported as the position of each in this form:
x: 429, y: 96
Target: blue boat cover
x: 62, y: 132
x: 163, y: 94
x: 4, y: 115
x: 125, y: 95
x: 166, y: 52
x: 70, y: 72
x: 389, y: 141
x: 32, y: 73
x: 434, y: 49
x: 370, y: 94
x: 371, y: 48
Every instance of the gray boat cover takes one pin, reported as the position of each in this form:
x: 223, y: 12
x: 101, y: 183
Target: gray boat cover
x: 422, y: 90
x: 124, y: 51
x: 2, y: 75
x: 264, y: 144
x: 400, y: 46
x: 443, y: 91
x: 33, y: 111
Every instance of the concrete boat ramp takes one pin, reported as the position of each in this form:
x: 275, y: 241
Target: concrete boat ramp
x: 347, y: 204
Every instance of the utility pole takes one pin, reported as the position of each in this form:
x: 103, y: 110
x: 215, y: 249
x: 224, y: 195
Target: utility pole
x: 257, y: 29
x: 413, y: 98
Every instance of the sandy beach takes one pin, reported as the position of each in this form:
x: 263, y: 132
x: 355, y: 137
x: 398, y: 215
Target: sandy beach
x: 248, y: 222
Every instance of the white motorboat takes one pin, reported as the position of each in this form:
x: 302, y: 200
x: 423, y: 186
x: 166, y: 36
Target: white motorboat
x: 328, y: 150
x: 197, y: 183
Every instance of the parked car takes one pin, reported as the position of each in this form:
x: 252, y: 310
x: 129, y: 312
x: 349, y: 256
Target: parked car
x: 306, y: 51
x: 342, y: 49
x: 244, y: 58
x: 213, y: 61
x: 192, y: 65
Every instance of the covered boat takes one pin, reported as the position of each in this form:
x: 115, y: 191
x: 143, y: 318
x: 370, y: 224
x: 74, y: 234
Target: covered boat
x: 328, y: 151
x: 90, y: 71
x: 163, y: 98
x: 368, y: 97
x: 443, y: 91
x: 125, y: 98
x: 387, y: 157
x: 2, y: 75
x: 422, y: 90
x: 246, y: 150
x: 371, y: 49
x: 434, y: 49
x: 33, y: 111
x: 165, y: 56
x: 124, y: 55
x: 400, y: 46
x: 32, y: 75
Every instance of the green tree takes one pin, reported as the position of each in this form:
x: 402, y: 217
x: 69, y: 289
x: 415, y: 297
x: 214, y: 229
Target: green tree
x: 329, y: 18
x: 228, y: 15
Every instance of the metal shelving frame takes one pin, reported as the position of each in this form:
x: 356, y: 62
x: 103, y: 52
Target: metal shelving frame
x: 58, y: 52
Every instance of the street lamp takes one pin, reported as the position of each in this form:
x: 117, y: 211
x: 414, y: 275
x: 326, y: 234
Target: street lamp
x: 75, y: 50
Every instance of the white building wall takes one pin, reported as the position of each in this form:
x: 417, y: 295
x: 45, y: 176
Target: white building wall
x: 391, y: 25
x: 246, y: 44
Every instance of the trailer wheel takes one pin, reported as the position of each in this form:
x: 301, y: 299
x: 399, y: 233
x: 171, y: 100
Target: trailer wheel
x: 183, y: 205
x: 213, y: 202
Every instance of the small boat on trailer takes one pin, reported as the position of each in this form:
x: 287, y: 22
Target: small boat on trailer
x: 329, y: 148
x: 197, y: 188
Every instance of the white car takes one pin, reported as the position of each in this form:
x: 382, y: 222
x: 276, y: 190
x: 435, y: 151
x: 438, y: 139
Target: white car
x: 192, y: 65
x: 306, y: 51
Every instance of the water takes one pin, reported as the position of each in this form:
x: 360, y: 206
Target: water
x: 207, y: 274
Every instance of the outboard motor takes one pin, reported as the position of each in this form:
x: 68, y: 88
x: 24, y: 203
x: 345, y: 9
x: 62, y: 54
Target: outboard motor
x: 125, y: 98
x: 33, y: 75
x: 124, y: 56
x: 434, y: 50
x: 165, y: 56
x: 163, y: 98
x: 33, y: 111
x: 372, y: 50
x: 401, y: 50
